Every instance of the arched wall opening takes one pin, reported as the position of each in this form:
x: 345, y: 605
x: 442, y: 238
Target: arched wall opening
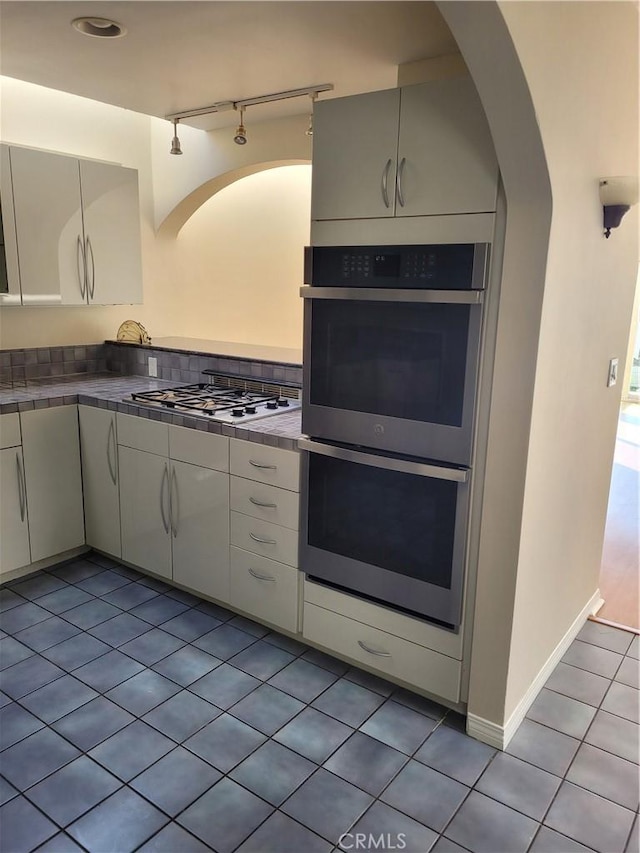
x: 235, y: 248
x: 184, y: 210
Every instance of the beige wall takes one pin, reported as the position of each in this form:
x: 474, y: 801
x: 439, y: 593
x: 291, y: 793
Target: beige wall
x: 563, y: 76
x: 239, y: 256
x: 586, y: 98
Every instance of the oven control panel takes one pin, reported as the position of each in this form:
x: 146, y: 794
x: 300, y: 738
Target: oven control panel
x: 454, y: 266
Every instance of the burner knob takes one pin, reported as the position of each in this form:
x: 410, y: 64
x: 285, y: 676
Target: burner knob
x: 237, y: 413
x: 272, y: 404
x: 283, y: 402
x: 250, y: 410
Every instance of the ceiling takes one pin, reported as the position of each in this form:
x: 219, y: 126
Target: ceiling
x: 182, y: 55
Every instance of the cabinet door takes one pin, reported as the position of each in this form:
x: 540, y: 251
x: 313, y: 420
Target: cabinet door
x: 446, y: 158
x: 145, y: 510
x: 14, y: 525
x: 200, y: 527
x: 48, y: 216
x: 100, y: 479
x: 9, y: 270
x: 354, y: 156
x: 112, y: 233
x: 51, y: 450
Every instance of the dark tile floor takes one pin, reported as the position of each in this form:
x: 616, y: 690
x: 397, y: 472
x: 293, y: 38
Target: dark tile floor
x: 137, y: 717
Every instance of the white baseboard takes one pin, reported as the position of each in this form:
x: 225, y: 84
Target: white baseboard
x: 499, y: 735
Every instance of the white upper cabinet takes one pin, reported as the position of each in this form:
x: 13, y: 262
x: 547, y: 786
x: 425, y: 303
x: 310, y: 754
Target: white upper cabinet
x: 77, y: 230
x: 48, y: 215
x: 112, y: 233
x: 417, y: 151
x: 9, y: 271
x: 355, y: 143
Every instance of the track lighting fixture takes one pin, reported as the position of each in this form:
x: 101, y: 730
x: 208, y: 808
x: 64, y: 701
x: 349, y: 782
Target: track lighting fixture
x: 309, y: 130
x: 241, y: 133
x: 175, y: 142
x: 240, y: 137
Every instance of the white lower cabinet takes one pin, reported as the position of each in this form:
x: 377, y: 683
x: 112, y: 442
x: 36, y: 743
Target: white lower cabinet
x: 99, y: 450
x: 53, y: 480
x: 265, y: 589
x: 14, y: 521
x: 144, y: 506
x: 200, y: 529
x: 174, y: 503
x: 391, y: 643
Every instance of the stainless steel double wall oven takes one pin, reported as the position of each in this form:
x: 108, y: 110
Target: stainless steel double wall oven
x: 391, y: 349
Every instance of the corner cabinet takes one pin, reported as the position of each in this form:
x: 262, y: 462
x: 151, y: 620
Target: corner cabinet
x: 75, y: 227
x: 416, y: 151
x: 99, y: 452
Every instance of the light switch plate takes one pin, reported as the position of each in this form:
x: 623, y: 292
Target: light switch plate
x: 153, y: 366
x: 613, y: 372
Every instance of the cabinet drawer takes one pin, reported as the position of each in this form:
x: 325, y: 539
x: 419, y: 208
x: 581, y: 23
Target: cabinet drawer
x: 406, y: 627
x: 265, y: 589
x: 265, y: 464
x: 265, y: 502
x: 199, y: 448
x: 430, y: 671
x: 262, y: 537
x: 143, y: 434
x: 10, y: 430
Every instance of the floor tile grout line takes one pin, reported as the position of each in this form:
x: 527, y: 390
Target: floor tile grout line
x: 385, y: 700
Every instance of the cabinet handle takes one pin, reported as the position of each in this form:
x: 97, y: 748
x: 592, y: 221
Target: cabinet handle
x: 111, y: 438
x: 165, y: 477
x: 91, y: 285
x: 21, y: 488
x: 82, y: 272
x: 261, y: 465
x: 256, y: 502
x: 174, y: 522
x: 399, y: 181
x: 384, y: 187
x: 263, y: 541
x: 260, y: 577
x: 371, y: 651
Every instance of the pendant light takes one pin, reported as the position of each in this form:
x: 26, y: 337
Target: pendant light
x: 241, y: 133
x: 175, y: 142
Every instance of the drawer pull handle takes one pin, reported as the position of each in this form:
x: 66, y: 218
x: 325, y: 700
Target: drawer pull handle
x: 256, y: 502
x: 263, y: 541
x: 260, y: 465
x: 371, y: 651
x: 260, y: 577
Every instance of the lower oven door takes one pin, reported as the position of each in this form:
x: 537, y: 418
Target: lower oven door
x: 388, y: 528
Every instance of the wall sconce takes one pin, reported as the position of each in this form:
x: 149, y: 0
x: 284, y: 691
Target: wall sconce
x: 617, y: 195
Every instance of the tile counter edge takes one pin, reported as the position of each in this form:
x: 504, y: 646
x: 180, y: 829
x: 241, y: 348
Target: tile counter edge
x: 108, y: 392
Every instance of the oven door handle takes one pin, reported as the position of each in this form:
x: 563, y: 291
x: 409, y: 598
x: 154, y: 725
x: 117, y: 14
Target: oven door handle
x: 375, y: 294
x: 404, y: 466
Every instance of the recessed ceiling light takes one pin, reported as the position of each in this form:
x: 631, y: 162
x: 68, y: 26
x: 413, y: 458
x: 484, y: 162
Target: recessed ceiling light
x: 101, y: 28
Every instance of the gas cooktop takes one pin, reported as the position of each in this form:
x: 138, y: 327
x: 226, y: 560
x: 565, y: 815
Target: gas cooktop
x: 228, y: 400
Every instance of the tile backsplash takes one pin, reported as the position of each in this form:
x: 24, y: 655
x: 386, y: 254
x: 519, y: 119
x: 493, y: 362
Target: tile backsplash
x: 18, y: 366
x: 178, y: 366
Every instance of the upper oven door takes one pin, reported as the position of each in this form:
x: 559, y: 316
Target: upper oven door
x: 392, y: 369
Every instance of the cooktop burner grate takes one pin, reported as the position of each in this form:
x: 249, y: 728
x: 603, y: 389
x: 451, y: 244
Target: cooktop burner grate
x: 226, y: 399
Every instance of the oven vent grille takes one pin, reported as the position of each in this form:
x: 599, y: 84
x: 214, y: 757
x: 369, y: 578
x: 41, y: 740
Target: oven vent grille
x: 255, y: 386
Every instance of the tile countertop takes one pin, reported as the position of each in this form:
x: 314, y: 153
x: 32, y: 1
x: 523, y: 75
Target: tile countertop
x: 110, y: 391
x: 227, y: 349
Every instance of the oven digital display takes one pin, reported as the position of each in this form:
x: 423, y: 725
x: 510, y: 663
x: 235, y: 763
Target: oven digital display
x: 386, y: 266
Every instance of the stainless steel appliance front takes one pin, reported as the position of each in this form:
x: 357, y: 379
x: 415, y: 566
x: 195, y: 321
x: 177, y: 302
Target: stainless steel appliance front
x: 392, y: 369
x: 390, y: 528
